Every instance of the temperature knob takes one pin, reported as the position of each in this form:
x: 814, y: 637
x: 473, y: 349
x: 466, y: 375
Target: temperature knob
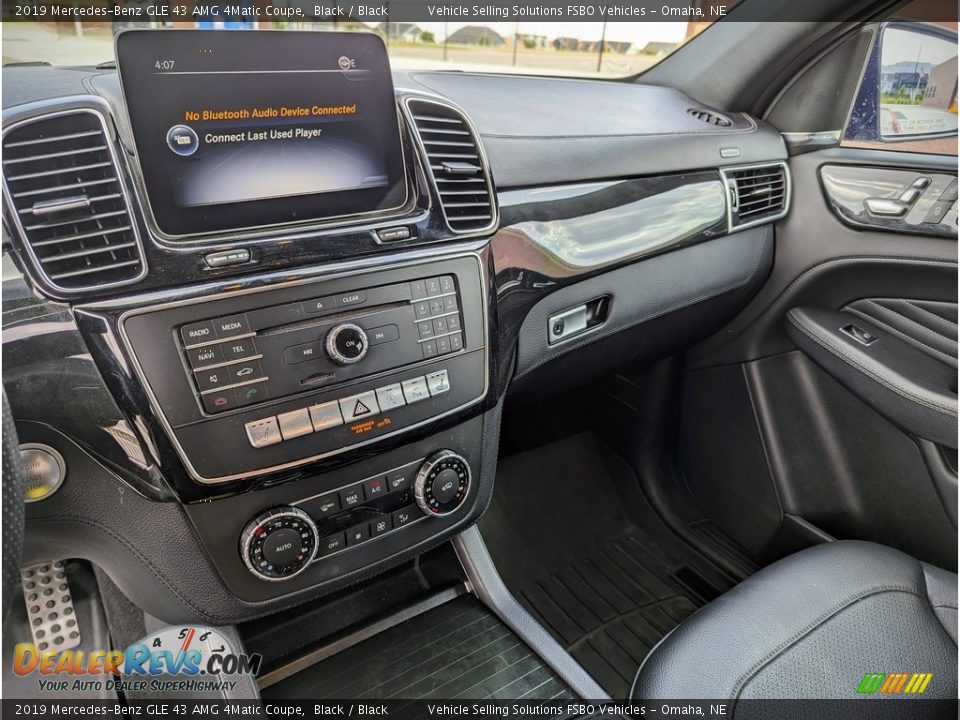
x: 347, y: 344
x: 442, y: 483
x: 279, y: 544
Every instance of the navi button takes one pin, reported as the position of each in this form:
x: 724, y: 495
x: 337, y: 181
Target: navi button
x: 204, y: 355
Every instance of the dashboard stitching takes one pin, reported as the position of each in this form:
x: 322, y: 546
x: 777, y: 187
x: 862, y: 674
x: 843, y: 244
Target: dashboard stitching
x: 646, y: 318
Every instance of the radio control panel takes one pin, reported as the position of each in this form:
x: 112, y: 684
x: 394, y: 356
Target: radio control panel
x: 255, y: 382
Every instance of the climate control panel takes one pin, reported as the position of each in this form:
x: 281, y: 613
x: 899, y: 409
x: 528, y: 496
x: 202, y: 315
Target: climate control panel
x: 282, y: 542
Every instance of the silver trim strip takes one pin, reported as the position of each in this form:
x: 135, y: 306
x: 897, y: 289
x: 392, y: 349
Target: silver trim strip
x: 110, y: 137
x: 218, y: 340
x: 235, y: 385
x: 225, y: 364
x: 427, y: 256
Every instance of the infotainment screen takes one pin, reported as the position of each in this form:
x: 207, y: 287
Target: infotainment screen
x: 248, y: 129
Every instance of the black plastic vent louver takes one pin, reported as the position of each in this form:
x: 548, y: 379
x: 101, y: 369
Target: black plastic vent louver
x: 453, y: 154
x: 757, y: 193
x: 709, y: 117
x: 63, y: 184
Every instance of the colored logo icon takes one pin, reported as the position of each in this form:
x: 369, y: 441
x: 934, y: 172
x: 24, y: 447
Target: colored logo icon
x: 182, y: 140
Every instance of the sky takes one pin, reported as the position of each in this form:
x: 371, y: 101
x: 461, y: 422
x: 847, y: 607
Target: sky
x: 903, y: 45
x: 638, y: 33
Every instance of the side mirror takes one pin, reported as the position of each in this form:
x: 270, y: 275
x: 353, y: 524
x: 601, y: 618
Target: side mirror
x: 909, y: 87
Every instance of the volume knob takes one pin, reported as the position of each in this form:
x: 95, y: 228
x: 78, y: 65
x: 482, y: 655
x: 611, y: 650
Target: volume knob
x: 347, y: 344
x: 442, y: 483
x: 279, y: 544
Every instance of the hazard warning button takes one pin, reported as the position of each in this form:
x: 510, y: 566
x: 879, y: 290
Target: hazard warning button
x: 357, y: 407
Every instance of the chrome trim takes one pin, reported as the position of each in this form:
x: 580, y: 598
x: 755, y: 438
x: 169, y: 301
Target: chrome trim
x: 225, y: 364
x: 425, y: 158
x: 727, y: 179
x: 217, y: 341
x: 111, y: 139
x: 420, y: 482
x: 233, y: 235
x: 825, y: 138
x: 366, y: 265
x: 221, y: 388
x: 251, y: 527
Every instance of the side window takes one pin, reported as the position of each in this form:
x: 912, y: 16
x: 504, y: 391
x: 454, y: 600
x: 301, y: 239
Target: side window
x: 908, y: 96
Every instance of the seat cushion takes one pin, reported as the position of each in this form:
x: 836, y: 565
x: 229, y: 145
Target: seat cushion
x: 811, y: 626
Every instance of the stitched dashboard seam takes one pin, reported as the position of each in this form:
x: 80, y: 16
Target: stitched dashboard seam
x: 687, y: 302
x: 840, y: 353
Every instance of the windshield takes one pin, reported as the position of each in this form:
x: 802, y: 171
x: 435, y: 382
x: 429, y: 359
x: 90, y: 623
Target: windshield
x: 571, y: 49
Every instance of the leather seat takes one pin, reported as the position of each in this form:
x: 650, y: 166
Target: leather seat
x: 811, y: 626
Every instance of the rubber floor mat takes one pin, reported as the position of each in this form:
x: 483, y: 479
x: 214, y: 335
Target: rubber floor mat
x: 459, y: 650
x: 581, y: 548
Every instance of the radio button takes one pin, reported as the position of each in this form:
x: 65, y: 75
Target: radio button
x: 359, y: 406
x: 250, y: 394
x: 238, y: 349
x: 212, y: 379
x: 219, y: 401
x: 204, y: 355
x: 262, y: 433
x: 383, y: 334
x: 326, y: 415
x: 320, y: 305
x: 245, y: 371
x: 197, y: 333
x: 438, y: 383
x: 295, y: 424
x: 358, y: 297
x: 231, y: 326
x: 415, y: 390
x: 390, y: 397
x: 303, y: 353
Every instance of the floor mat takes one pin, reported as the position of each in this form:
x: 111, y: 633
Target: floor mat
x: 581, y: 548
x: 458, y: 650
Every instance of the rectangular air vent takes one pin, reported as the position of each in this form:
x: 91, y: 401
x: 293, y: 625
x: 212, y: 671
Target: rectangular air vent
x: 62, y: 183
x: 456, y: 165
x: 758, y: 193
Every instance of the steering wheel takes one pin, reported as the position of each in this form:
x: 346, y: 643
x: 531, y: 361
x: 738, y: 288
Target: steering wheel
x: 13, y: 522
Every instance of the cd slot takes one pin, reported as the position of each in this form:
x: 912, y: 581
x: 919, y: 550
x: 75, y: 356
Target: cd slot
x: 330, y: 319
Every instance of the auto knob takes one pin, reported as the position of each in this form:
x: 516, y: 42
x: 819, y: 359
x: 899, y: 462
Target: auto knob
x: 279, y: 544
x: 442, y: 483
x: 347, y: 344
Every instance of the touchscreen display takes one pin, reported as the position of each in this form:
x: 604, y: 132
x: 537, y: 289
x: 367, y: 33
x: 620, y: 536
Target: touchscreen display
x: 239, y: 129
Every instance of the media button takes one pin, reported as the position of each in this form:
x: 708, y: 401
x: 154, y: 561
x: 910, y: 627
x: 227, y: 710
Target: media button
x: 197, y: 333
x: 232, y: 326
x: 204, y: 355
x: 238, y: 349
x: 219, y: 401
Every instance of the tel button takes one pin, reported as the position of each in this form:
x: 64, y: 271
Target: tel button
x: 282, y: 546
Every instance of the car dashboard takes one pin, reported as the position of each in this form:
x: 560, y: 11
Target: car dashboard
x: 256, y: 395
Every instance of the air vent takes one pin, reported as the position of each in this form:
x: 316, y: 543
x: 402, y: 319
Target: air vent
x: 62, y: 183
x: 758, y: 193
x: 456, y: 165
x: 710, y: 117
